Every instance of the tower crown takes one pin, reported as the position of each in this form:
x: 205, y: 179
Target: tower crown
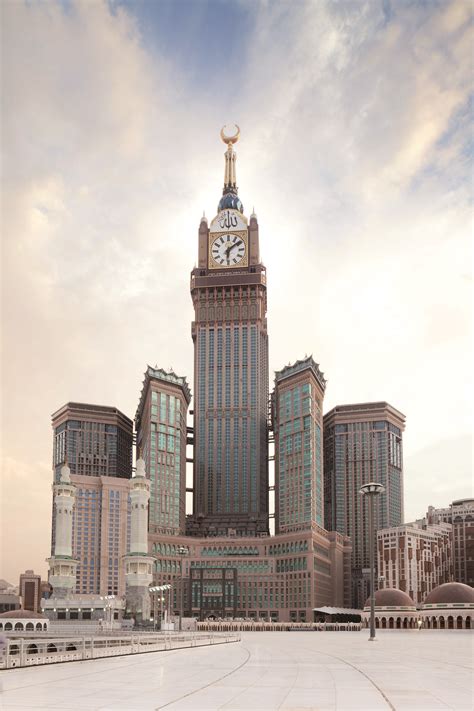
x: 230, y: 199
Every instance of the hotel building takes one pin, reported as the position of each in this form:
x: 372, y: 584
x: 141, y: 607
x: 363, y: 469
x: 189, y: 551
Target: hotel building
x: 161, y: 439
x: 362, y: 443
x: 460, y: 514
x: 227, y: 564
x: 415, y: 558
x: 297, y: 414
x: 96, y: 441
x: 229, y: 293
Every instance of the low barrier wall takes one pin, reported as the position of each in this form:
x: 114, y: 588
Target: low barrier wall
x: 30, y: 651
x: 249, y: 626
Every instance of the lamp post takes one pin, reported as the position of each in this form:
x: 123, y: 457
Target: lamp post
x: 372, y: 489
x: 161, y: 589
x: 182, y: 551
x: 108, y: 610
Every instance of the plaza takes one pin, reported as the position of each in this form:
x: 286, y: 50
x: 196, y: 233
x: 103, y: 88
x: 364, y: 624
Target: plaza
x: 403, y: 670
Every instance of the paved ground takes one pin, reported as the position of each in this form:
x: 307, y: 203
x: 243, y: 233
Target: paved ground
x: 403, y: 670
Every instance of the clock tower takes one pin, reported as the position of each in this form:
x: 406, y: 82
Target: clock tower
x: 229, y: 293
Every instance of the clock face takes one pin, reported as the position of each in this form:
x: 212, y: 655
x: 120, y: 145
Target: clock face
x: 228, y: 250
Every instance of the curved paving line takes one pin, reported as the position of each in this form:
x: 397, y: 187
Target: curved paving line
x: 211, y: 683
x: 333, y: 656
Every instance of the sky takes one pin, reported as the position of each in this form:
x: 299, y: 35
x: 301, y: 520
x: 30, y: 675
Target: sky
x: 355, y: 152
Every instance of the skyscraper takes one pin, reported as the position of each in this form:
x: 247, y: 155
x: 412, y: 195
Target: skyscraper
x: 97, y: 442
x: 161, y: 438
x: 229, y: 293
x: 362, y: 443
x: 297, y: 414
x: 230, y: 563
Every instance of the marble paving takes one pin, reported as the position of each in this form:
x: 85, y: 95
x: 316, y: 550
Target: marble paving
x: 404, y: 670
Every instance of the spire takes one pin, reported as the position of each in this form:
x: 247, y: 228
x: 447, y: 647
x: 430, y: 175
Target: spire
x: 230, y: 193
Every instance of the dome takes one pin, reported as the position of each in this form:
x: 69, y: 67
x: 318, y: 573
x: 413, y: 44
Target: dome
x: 22, y: 615
x: 230, y: 201
x: 390, y: 597
x: 450, y: 593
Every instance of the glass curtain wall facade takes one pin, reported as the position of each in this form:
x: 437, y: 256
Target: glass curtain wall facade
x: 96, y: 440
x: 362, y: 443
x: 297, y: 414
x: 161, y: 438
x: 231, y: 387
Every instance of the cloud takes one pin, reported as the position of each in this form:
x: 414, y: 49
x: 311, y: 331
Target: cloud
x: 355, y: 127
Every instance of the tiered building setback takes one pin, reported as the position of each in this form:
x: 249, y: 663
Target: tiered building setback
x: 362, y: 443
x: 229, y: 293
x: 161, y: 439
x: 96, y: 441
x: 230, y: 564
x: 297, y: 414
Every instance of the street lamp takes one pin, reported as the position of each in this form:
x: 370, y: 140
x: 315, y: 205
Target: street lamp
x: 182, y: 551
x: 372, y: 489
x: 154, y: 589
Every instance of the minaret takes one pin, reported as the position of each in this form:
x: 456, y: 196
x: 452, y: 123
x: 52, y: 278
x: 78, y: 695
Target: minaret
x: 62, y: 566
x: 138, y: 564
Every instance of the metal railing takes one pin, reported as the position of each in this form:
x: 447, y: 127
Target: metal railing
x: 33, y: 651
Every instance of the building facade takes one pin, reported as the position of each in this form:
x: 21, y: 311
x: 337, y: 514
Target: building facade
x: 297, y: 421
x: 30, y: 590
x: 460, y: 514
x: 229, y: 293
x: 161, y: 438
x: 415, y: 558
x: 362, y: 443
x: 95, y: 440
x: 100, y: 533
x: 227, y: 564
x: 280, y: 577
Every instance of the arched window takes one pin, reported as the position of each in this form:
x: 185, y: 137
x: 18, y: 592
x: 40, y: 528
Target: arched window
x: 8, y: 626
x: 70, y: 648
x: 459, y: 622
x: 29, y: 627
x: 390, y: 623
x: 468, y: 622
x: 32, y: 649
x: 39, y: 626
x: 441, y: 623
x: 14, y: 649
x: 18, y: 626
x: 52, y: 648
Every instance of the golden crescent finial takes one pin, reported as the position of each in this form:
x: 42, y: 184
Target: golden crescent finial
x: 230, y: 139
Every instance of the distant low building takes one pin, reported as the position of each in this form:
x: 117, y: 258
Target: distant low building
x: 394, y: 609
x: 449, y: 606
x: 30, y: 590
x: 9, y: 602
x: 460, y: 514
x: 415, y: 557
